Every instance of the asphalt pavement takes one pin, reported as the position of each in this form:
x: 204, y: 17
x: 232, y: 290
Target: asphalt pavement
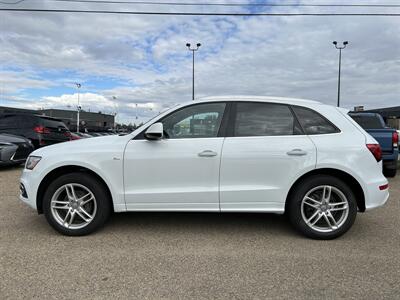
x: 196, y: 255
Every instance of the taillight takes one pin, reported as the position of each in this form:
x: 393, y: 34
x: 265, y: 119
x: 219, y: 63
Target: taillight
x: 384, y: 187
x: 71, y: 137
x: 395, y: 139
x: 376, y: 151
x: 41, y: 129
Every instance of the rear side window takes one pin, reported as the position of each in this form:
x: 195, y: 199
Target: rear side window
x: 264, y: 119
x: 368, y: 122
x: 312, y: 122
x: 50, y: 123
x: 12, y: 122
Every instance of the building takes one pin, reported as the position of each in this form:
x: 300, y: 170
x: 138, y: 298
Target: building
x: 92, y: 121
x: 13, y: 110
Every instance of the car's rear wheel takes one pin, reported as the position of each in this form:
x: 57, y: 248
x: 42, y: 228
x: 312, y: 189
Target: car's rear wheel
x: 322, y: 207
x: 390, y: 172
x: 76, y: 204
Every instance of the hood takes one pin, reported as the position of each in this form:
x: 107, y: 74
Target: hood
x: 10, y: 138
x: 81, y: 145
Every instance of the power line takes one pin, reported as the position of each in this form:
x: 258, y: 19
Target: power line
x: 196, y: 13
x: 16, y: 2
x: 227, y: 4
x: 214, y: 4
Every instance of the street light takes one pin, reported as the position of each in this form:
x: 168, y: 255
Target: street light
x: 193, y: 50
x: 78, y: 85
x: 340, y: 64
x: 115, y: 113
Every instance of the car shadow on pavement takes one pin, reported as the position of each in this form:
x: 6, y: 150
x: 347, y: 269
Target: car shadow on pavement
x: 11, y: 167
x: 196, y: 222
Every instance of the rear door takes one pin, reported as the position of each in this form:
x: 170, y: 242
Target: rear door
x: 264, y: 153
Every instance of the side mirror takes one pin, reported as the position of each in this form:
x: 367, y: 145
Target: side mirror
x: 154, y: 132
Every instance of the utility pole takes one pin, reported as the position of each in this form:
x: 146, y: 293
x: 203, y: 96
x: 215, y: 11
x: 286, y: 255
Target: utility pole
x: 340, y: 65
x: 193, y: 50
x: 78, y: 85
x: 115, y: 113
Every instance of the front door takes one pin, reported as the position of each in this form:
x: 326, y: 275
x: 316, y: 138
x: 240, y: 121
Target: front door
x: 180, y: 171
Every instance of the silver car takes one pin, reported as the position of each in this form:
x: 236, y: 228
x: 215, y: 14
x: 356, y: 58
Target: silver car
x: 14, y: 149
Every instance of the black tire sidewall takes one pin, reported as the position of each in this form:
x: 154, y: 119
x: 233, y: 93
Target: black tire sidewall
x: 294, y: 207
x: 101, y: 198
x: 389, y: 172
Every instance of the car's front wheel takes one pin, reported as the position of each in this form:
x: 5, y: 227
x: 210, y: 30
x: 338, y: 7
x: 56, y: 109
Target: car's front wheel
x: 76, y: 204
x: 322, y: 207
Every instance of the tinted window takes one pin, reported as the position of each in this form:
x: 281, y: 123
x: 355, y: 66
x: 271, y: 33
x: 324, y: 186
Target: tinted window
x: 6, y: 122
x: 312, y: 122
x: 51, y: 123
x: 264, y: 119
x: 368, y: 122
x: 11, y: 122
x: 195, y: 121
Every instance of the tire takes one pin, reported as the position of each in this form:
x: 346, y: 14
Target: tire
x: 96, y: 204
x: 300, y: 208
x: 389, y: 172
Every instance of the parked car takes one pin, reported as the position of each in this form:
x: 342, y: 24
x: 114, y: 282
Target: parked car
x: 75, y: 136
x: 14, y: 149
x: 222, y: 154
x: 83, y: 135
x: 387, y: 137
x: 41, y: 130
x: 95, y: 134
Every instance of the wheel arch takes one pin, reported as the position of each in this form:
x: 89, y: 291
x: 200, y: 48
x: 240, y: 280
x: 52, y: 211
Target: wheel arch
x: 344, y: 176
x: 59, y: 171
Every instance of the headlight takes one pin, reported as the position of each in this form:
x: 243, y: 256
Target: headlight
x: 32, y: 161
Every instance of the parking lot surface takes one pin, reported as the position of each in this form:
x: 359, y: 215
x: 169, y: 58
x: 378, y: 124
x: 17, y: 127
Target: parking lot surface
x: 195, y: 255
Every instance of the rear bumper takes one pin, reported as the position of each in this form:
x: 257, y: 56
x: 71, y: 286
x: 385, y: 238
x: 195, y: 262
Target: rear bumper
x: 390, y: 159
x: 374, y: 196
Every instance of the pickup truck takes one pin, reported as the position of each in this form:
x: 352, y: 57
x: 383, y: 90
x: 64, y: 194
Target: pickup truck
x: 387, y: 137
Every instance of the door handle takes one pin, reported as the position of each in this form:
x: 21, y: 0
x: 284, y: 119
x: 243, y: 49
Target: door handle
x: 207, y: 153
x: 296, y: 152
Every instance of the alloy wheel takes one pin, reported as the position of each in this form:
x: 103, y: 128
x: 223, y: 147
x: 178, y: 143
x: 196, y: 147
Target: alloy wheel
x: 324, y: 208
x: 73, y: 206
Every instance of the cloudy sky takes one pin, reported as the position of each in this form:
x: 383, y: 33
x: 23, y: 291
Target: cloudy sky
x: 143, y: 61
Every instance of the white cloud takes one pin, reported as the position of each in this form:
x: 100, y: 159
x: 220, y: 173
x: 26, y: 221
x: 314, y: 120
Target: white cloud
x: 282, y: 56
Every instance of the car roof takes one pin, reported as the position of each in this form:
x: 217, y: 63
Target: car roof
x: 271, y: 99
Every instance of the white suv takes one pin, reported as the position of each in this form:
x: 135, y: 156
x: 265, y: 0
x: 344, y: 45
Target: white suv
x: 221, y: 154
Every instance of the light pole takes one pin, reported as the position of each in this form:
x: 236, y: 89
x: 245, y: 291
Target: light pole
x: 78, y: 85
x: 115, y: 113
x: 340, y: 64
x: 193, y: 50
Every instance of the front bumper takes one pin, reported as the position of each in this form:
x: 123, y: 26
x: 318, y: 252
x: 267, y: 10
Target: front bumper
x: 27, y: 190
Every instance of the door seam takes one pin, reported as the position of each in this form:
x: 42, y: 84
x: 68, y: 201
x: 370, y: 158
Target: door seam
x: 219, y: 175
